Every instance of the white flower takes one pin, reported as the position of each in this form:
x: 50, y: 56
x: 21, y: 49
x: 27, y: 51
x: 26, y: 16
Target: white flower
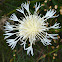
x: 31, y: 27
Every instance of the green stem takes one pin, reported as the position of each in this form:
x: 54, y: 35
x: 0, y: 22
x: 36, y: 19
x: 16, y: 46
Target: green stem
x: 14, y: 55
x: 51, y: 52
x: 3, y: 57
x: 53, y: 60
x: 14, y: 58
x: 58, y: 30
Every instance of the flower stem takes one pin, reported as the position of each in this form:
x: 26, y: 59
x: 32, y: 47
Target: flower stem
x: 14, y: 55
x: 50, y: 52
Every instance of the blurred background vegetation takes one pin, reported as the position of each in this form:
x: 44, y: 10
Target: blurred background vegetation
x: 52, y: 53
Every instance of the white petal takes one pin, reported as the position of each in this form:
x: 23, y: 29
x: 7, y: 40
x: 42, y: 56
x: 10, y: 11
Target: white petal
x: 32, y: 52
x: 37, y: 7
x: 53, y: 36
x: 24, y: 43
x: 9, y: 27
x: 26, y: 6
x: 50, y: 14
x: 55, y: 26
x: 8, y: 35
x: 12, y: 43
x: 46, y: 41
x: 21, y: 10
x: 29, y: 49
x: 13, y: 17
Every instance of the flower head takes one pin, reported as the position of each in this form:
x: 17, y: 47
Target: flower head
x: 30, y: 28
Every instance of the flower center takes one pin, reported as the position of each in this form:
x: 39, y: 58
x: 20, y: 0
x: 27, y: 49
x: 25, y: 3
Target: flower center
x: 31, y: 24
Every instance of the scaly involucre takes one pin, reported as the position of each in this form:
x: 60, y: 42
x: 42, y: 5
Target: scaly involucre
x: 30, y: 27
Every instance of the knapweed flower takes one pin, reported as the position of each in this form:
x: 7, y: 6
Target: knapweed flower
x: 30, y: 27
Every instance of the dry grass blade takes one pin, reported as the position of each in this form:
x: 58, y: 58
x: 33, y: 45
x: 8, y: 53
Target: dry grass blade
x: 2, y: 22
